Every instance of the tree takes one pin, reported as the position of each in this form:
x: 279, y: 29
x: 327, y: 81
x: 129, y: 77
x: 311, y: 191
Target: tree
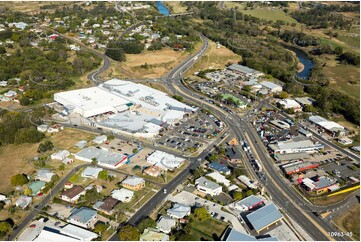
x: 115, y: 52
x: 249, y: 192
x: 283, y: 95
x: 19, y: 180
x: 94, y: 161
x: 28, y: 192
x: 55, y: 178
x: 146, y: 223
x: 100, y: 228
x: 4, y: 227
x: 61, y: 167
x: 237, y: 195
x: 103, y: 175
x: 135, y: 150
x: 129, y: 233
x: 247, y: 88
x: 338, y: 50
x: 201, y: 213
x: 43, y: 147
x: 2, y: 50
x: 92, y: 195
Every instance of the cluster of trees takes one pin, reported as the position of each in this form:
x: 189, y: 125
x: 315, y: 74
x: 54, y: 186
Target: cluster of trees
x: 19, y: 180
x: 16, y: 128
x: 321, y: 17
x: 4, y: 228
x: 43, y: 147
x: 298, y: 38
x: 349, y: 58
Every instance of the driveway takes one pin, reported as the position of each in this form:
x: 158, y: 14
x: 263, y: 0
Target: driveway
x: 188, y: 198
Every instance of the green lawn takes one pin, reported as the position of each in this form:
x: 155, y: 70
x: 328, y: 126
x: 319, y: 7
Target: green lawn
x: 210, y: 229
x: 225, y: 96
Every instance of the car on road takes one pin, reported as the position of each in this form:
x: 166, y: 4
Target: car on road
x: 165, y: 191
x: 215, y: 215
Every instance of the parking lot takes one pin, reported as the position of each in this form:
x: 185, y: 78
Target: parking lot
x: 341, y: 170
x: 192, y: 133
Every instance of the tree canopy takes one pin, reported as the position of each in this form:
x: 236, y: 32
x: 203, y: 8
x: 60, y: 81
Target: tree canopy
x: 129, y: 233
x: 19, y: 180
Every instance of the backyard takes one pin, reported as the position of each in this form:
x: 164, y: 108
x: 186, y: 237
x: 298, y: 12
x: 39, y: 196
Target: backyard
x: 209, y: 229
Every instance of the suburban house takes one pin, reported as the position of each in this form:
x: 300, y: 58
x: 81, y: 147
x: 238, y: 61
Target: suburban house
x: 67, y: 161
x: 151, y: 234
x: 133, y: 183
x: 44, y: 175
x: 153, y: 171
x: 179, y: 211
x: 106, y: 206
x: 36, y: 187
x: 216, y: 166
x: 60, y: 155
x: 219, y: 178
x: 207, y: 186
x: 55, y: 128
x: 23, y: 201
x: 165, y: 224
x: 100, y: 139
x: 68, y: 185
x: 123, y: 195
x: 91, y: 172
x: 83, y: 217
x: 42, y: 128
x: 73, y: 194
x: 81, y: 144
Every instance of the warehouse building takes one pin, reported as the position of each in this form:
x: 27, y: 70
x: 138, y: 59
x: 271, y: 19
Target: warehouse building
x: 103, y: 157
x: 271, y: 87
x: 264, y: 217
x: 330, y: 127
x: 124, y: 106
x: 164, y: 160
x: 291, y: 146
x: 234, y: 235
x: 290, y: 104
x: 244, y: 70
x: 248, y: 203
x: 280, y: 124
x: 299, y: 166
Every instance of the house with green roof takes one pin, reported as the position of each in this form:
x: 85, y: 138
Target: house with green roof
x: 36, y: 187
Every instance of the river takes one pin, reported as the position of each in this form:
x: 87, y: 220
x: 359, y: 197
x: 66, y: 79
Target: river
x: 162, y: 9
x: 305, y: 60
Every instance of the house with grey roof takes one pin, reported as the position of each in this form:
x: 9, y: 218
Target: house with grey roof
x: 248, y: 203
x: 104, y: 158
x: 83, y: 217
x: 207, y: 186
x: 81, y: 144
x: 91, y: 172
x: 23, y: 201
x: 165, y: 224
x: 179, y: 211
x: 100, y: 139
x: 44, y: 175
x: 264, y: 217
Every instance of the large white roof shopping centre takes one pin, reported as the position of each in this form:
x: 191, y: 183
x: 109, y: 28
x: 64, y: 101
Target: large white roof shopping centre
x: 132, y: 107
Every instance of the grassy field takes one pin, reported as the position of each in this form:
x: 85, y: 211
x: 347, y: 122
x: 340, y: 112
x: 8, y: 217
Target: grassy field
x: 324, y: 201
x: 214, y: 59
x: 159, y: 63
x: 350, y: 222
x: 14, y: 158
x: 177, y: 7
x: 210, y: 229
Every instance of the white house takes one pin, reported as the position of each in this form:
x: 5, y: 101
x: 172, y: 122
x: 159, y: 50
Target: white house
x: 123, y: 195
x: 165, y: 224
x: 91, y: 172
x: 21, y: 25
x: 100, y: 139
x: 219, y: 178
x: 3, y: 83
x: 179, y: 211
x: 42, y: 128
x: 60, y: 155
x: 55, y: 128
x: 23, y: 201
x: 44, y: 175
x: 208, y: 186
x: 10, y: 94
x: 248, y: 182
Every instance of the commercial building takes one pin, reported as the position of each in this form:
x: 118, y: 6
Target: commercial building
x: 133, y: 183
x: 290, y: 104
x: 264, y: 217
x: 330, y: 127
x: 103, y: 157
x: 271, y: 87
x: 290, y: 146
x: 78, y: 233
x: 305, y: 133
x: 124, y: 106
x: 280, y: 124
x: 234, y: 235
x: 123, y: 195
x: 248, y: 203
x: 73, y: 194
x: 345, y: 141
x: 305, y: 101
x: 248, y: 182
x: 244, y: 70
x: 299, y: 166
x: 179, y: 211
x: 50, y: 234
x: 320, y: 185
x: 207, y: 186
x: 164, y: 160
x: 216, y: 166
x: 83, y: 217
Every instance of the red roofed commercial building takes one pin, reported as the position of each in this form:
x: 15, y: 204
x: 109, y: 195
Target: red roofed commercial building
x: 298, y: 166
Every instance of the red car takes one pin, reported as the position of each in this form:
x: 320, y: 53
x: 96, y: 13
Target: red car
x: 32, y: 226
x: 40, y: 194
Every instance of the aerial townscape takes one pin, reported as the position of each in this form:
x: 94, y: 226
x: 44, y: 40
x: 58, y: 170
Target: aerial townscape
x: 180, y: 121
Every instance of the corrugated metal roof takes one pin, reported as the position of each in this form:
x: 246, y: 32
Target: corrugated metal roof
x: 264, y: 216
